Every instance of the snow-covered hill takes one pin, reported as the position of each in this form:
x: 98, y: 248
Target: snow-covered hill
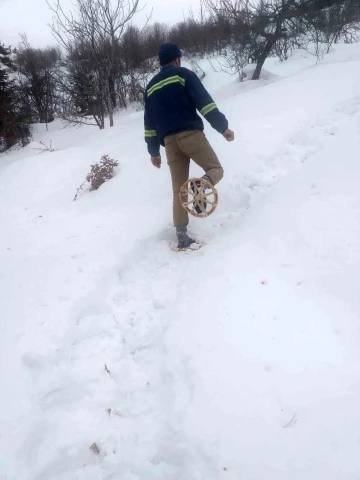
x: 238, y: 361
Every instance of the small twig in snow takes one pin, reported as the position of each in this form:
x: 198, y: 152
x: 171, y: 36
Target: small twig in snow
x: 292, y: 421
x: 79, y: 190
x: 45, y: 148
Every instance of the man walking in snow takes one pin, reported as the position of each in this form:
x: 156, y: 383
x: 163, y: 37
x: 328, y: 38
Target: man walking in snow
x: 171, y: 100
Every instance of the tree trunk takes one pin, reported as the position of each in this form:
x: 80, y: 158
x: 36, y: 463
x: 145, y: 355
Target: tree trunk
x: 112, y: 90
x: 261, y: 60
x: 111, y: 110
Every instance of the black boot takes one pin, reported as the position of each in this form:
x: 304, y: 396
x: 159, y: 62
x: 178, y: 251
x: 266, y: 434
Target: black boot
x: 200, y: 207
x: 184, y: 241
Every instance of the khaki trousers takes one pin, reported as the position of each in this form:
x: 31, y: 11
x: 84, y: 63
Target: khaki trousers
x: 180, y: 148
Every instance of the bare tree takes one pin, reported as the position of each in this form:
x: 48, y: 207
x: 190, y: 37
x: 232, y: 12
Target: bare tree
x: 327, y: 26
x: 99, y: 25
x: 80, y: 96
x: 261, y: 27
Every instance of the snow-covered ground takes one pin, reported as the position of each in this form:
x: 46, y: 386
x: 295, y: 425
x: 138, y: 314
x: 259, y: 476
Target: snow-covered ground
x: 240, y: 361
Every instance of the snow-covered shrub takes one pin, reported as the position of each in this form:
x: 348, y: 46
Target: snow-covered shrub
x: 100, y: 173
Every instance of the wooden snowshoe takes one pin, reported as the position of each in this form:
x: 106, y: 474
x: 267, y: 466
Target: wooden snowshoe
x: 194, y: 247
x: 199, y: 197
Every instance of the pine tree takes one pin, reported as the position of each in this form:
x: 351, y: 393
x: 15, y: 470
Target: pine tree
x: 14, y: 114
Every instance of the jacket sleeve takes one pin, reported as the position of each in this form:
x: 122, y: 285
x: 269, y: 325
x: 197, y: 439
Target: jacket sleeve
x: 204, y: 103
x: 151, y: 138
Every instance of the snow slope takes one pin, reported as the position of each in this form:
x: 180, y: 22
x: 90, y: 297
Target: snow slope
x: 238, y: 361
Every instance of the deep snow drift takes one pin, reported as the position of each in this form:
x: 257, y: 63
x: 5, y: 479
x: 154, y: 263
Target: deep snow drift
x: 238, y: 361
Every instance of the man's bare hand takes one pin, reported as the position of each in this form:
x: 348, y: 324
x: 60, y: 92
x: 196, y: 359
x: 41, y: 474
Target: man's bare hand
x: 156, y: 161
x: 229, y: 135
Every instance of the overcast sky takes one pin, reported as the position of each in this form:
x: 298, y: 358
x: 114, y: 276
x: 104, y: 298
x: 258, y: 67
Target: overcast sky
x: 32, y: 16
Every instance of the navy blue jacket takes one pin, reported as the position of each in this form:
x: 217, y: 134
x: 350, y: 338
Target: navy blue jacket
x: 171, y: 100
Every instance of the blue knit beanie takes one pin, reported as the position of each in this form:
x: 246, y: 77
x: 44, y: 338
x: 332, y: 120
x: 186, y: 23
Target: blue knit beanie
x: 168, y: 53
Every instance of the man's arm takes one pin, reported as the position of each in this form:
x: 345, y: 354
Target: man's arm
x: 153, y: 144
x: 205, y: 104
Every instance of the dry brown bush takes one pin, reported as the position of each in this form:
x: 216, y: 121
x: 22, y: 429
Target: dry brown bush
x: 100, y: 173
